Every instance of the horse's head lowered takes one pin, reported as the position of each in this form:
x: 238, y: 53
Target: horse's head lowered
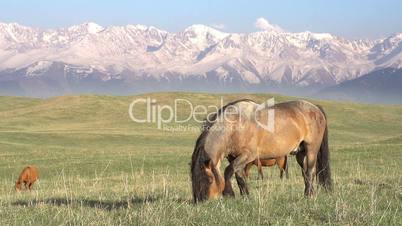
x: 206, y: 181
x: 216, y: 182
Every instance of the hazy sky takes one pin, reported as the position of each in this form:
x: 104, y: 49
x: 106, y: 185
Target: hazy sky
x: 347, y: 18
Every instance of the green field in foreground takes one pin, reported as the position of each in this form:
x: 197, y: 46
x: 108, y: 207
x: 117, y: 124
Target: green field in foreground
x: 100, y: 168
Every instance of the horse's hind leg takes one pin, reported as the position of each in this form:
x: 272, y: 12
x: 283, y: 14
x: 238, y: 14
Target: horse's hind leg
x: 302, y: 160
x: 229, y: 171
x: 311, y: 172
x: 308, y: 158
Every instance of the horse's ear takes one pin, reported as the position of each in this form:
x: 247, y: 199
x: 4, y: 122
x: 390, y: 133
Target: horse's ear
x: 207, y: 164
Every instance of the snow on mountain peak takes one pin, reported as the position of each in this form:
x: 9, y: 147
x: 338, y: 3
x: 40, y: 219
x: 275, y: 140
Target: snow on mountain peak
x: 322, y: 36
x: 89, y: 27
x: 399, y: 35
x: 268, y: 55
x: 94, y: 28
x: 137, y: 27
x: 38, y: 68
x: 200, y: 29
x: 201, y: 36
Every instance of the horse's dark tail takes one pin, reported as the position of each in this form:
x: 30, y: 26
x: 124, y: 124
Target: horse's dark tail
x: 323, y: 169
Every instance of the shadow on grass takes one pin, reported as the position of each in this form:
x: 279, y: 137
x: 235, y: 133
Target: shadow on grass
x: 380, y: 185
x: 108, y: 205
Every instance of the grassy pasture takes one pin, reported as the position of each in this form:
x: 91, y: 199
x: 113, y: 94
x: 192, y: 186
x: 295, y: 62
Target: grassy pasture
x: 100, y: 168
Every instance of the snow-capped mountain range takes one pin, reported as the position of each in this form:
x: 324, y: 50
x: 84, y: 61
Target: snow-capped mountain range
x: 139, y: 57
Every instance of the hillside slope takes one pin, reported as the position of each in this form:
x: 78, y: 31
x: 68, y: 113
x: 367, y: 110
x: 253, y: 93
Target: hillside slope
x: 350, y: 121
x: 381, y: 86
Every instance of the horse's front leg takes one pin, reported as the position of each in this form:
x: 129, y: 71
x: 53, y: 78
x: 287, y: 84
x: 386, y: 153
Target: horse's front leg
x: 229, y: 171
x: 241, y: 182
x: 238, y: 164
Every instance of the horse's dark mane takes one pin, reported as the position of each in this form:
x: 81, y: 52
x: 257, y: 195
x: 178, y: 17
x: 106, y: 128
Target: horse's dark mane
x: 200, y: 180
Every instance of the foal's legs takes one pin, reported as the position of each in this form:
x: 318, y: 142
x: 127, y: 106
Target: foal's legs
x: 286, y: 167
x: 282, y: 165
x: 260, y: 173
x: 247, y: 169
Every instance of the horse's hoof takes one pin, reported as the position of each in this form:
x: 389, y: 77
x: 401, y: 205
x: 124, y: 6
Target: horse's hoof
x: 232, y: 195
x: 309, y: 194
x: 228, y: 193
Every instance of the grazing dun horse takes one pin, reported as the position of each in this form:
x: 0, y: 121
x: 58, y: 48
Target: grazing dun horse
x: 238, y: 130
x: 282, y: 163
x: 27, y: 177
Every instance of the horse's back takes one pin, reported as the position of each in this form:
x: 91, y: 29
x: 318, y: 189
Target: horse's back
x: 29, y: 173
x: 314, y: 117
x: 294, y: 122
x: 310, y: 115
x: 300, y: 105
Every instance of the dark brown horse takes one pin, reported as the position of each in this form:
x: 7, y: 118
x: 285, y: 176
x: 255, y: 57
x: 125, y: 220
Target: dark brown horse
x: 281, y: 162
x: 242, y: 129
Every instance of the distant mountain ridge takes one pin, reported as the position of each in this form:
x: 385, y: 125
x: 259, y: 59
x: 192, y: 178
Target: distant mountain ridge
x: 136, y: 58
x: 381, y: 86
